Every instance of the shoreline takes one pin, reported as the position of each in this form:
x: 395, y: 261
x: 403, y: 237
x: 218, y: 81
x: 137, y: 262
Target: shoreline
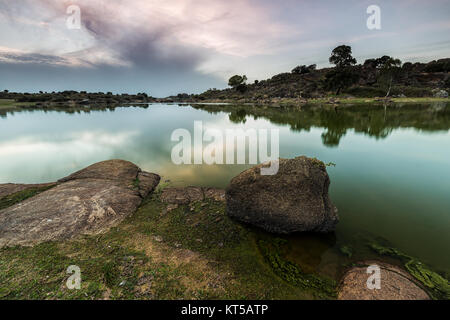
x: 180, y: 244
x: 11, y: 105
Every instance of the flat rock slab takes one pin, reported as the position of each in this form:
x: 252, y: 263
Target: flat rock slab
x: 396, y: 284
x: 87, y: 202
x: 191, y: 194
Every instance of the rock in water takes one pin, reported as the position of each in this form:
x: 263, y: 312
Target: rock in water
x: 394, y: 284
x: 294, y: 200
x: 89, y: 201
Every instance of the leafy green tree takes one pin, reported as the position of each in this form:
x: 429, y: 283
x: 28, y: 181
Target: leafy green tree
x: 236, y: 81
x: 304, y: 69
x: 390, y: 69
x: 342, y: 76
x: 342, y: 57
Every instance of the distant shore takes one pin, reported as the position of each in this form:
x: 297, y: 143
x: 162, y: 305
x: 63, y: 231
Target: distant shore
x: 13, y: 105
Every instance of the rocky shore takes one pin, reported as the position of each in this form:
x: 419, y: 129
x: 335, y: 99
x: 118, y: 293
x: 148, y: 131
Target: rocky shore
x: 89, y: 201
x: 132, y: 239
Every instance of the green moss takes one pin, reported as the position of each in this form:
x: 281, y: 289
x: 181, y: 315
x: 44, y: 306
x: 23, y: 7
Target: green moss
x: 318, y: 163
x: 203, y: 255
x: 20, y: 196
x: 203, y: 227
x: 436, y: 285
x: 321, y: 287
x: 136, y: 183
x: 347, y: 251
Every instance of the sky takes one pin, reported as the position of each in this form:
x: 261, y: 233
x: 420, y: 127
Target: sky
x: 165, y: 47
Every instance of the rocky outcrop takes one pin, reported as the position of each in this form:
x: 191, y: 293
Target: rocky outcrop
x: 395, y: 284
x: 440, y: 94
x: 294, y: 200
x: 89, y: 201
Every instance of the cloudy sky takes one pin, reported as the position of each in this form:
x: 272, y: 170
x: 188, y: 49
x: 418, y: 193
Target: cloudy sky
x: 164, y: 47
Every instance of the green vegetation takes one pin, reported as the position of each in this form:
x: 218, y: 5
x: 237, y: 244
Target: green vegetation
x: 191, y: 252
x: 377, y: 77
x: 179, y: 252
x: 437, y: 286
x: 20, y: 196
x: 69, y: 99
x: 343, y: 75
x: 375, y: 119
x: 238, y: 83
x: 322, y: 288
x: 9, y: 103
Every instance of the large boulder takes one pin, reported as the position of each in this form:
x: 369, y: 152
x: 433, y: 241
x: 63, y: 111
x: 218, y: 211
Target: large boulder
x: 395, y: 284
x: 89, y: 201
x: 294, y: 200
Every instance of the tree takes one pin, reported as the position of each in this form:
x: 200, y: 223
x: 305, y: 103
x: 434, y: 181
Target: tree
x: 304, y: 69
x: 342, y: 76
x: 342, y: 57
x: 370, y: 63
x: 390, y: 69
x: 236, y: 81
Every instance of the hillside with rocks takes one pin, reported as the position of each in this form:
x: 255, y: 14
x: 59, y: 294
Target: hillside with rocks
x: 430, y: 79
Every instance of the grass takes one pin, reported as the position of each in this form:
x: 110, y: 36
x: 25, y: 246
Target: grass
x: 20, y: 196
x: 8, y: 103
x: 332, y: 100
x: 192, y: 252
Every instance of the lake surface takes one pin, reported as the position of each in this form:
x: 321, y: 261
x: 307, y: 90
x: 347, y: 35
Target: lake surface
x: 391, y: 180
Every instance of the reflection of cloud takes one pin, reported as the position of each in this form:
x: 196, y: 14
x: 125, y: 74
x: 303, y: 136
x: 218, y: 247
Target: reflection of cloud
x: 80, y: 143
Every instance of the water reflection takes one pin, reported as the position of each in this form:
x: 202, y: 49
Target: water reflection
x: 374, y: 121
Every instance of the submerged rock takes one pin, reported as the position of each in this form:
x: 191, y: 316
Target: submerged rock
x: 294, y: 200
x: 89, y: 201
x: 395, y: 284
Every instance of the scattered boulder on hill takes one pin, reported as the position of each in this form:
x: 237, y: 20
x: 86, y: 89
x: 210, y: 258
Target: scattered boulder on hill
x: 294, y: 200
x: 440, y: 94
x: 395, y: 284
x: 89, y: 201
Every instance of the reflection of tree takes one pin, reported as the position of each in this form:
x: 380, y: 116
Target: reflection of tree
x: 336, y: 125
x: 376, y: 121
x: 238, y: 116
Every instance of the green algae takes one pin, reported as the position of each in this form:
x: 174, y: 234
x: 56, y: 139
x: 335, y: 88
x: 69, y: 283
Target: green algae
x: 321, y: 287
x: 437, y: 286
x: 318, y: 163
x: 347, y: 251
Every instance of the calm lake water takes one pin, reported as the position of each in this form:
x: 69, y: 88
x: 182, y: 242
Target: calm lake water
x: 391, y: 180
